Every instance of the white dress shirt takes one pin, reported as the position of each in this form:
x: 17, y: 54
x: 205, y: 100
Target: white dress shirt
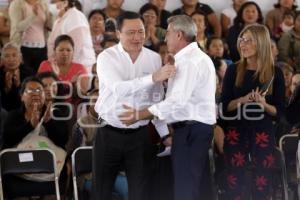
x: 191, y: 92
x: 123, y: 82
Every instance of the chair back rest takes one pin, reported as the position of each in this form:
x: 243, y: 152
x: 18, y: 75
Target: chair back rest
x: 289, y: 144
x: 82, y: 160
x: 16, y: 161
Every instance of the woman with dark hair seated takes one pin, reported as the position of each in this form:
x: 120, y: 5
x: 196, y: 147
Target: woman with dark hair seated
x: 154, y: 34
x: 22, y: 121
x: 12, y: 74
x: 249, y: 13
x: 66, y: 70
x: 97, y: 26
x: 63, y: 65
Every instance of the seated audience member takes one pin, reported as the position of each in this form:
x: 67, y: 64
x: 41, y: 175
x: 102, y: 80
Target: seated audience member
x: 63, y: 66
x: 97, y: 25
x: 293, y: 109
x: 53, y: 96
x: 221, y: 67
x: 12, y: 73
x: 154, y: 34
x: 286, y: 25
x: 73, y: 22
x: 200, y: 21
x: 163, y: 14
x: 249, y: 13
x: 289, y: 44
x: 22, y: 121
x: 274, y: 17
x: 190, y: 6
x: 215, y: 47
x: 287, y: 73
x: 228, y: 15
x: 113, y: 8
x: 83, y: 135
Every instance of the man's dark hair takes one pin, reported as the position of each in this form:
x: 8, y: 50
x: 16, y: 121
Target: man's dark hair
x: 27, y: 80
x: 126, y: 15
x: 63, y: 38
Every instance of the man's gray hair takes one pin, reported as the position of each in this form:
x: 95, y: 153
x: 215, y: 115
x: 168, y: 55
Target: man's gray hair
x: 10, y: 46
x: 186, y: 25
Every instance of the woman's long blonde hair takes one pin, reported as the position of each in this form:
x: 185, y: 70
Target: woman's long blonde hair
x: 265, y: 61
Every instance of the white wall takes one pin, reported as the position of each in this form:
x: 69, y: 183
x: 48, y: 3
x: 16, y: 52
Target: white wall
x: 217, y: 5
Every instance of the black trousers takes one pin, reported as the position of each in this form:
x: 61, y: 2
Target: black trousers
x: 189, y: 157
x: 32, y: 57
x: 114, y: 149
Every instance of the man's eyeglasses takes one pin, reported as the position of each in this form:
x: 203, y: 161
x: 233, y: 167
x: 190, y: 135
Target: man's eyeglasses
x: 31, y: 91
x: 244, y: 40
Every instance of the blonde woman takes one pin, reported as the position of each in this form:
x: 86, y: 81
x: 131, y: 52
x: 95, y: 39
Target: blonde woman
x: 252, y: 96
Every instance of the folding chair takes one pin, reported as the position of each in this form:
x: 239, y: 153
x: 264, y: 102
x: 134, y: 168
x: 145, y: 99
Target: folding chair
x: 280, y: 176
x: 81, y: 164
x: 288, y: 144
x: 16, y: 162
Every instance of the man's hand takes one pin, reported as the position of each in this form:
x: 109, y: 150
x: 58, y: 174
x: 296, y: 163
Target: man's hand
x: 167, y: 71
x: 130, y: 116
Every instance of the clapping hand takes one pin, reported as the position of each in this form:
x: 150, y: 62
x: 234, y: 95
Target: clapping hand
x: 258, y: 96
x: 35, y: 115
x: 8, y: 81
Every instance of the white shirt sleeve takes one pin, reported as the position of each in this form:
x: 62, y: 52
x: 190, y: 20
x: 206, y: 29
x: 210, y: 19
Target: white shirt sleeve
x: 160, y: 125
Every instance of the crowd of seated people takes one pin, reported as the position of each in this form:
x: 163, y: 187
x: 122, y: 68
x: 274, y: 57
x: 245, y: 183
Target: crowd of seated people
x: 49, y: 51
